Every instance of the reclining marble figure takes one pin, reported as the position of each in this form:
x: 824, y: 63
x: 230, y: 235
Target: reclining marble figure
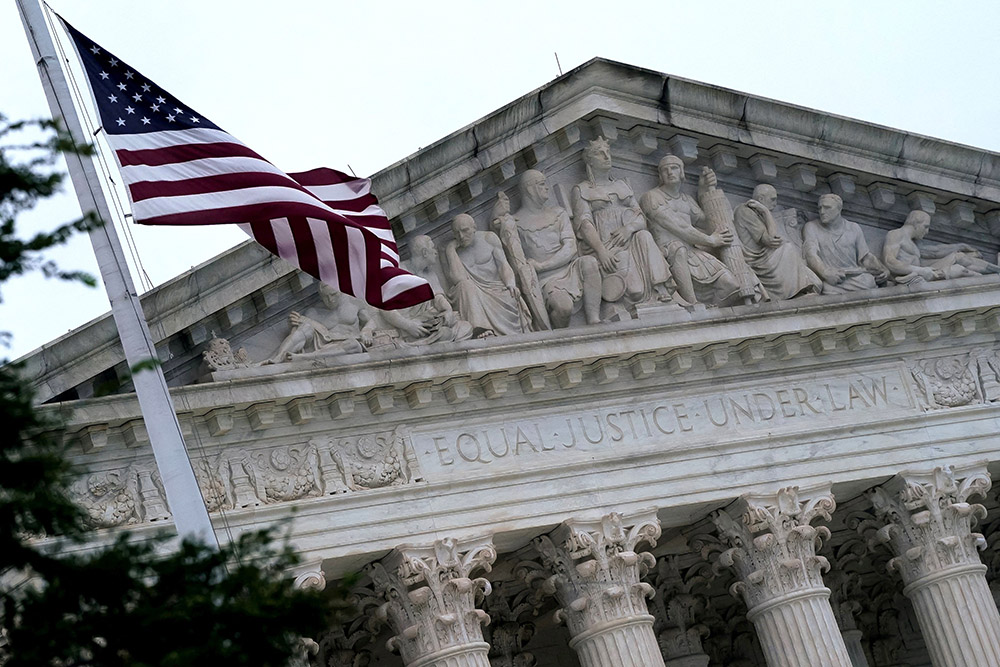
x: 342, y: 326
x: 431, y: 321
x: 909, y: 262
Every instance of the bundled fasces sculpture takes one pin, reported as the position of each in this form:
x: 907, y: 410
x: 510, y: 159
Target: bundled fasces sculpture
x: 543, y: 267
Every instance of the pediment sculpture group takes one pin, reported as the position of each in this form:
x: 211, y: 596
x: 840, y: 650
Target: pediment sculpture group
x: 544, y: 267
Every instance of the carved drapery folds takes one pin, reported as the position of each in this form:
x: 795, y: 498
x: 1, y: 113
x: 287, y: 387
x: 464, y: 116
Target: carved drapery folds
x: 430, y: 602
x: 594, y: 571
x: 928, y: 523
x: 773, y: 551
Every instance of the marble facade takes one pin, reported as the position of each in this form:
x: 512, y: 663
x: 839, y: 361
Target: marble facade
x: 630, y: 449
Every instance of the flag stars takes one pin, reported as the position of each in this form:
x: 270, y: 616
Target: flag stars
x: 113, y: 62
x: 145, y: 88
x: 170, y: 117
x: 113, y: 99
x: 129, y: 110
x: 160, y: 100
x: 155, y: 107
x: 195, y: 119
x: 137, y: 97
x: 178, y: 110
x: 121, y: 86
x: 129, y: 74
x: 104, y: 75
x: 145, y: 121
x: 120, y: 122
x: 95, y: 49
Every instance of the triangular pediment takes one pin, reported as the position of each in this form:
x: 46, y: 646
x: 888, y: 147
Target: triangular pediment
x: 246, y: 297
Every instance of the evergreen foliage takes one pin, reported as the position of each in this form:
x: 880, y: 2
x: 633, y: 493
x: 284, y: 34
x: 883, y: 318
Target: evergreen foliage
x: 140, y: 603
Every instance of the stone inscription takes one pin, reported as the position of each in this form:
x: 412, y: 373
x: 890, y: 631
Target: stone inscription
x: 556, y: 439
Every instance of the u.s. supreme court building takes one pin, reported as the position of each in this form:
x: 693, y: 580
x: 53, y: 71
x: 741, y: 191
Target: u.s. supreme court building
x: 709, y: 379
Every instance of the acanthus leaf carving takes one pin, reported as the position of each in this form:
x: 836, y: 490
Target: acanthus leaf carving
x: 927, y: 521
x: 773, y: 544
x: 593, y: 569
x: 430, y: 596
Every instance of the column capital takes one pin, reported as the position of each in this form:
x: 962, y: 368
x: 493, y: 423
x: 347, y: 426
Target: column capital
x: 773, y: 544
x: 679, y: 607
x: 509, y: 632
x: 430, y: 597
x: 593, y: 569
x: 926, y: 519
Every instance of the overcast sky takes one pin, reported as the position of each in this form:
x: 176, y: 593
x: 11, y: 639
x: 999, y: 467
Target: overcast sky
x: 365, y: 84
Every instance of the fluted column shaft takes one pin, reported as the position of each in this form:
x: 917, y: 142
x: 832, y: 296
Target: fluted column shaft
x: 928, y: 525
x: 957, y: 617
x: 780, y: 576
x: 594, y: 572
x: 628, y: 641
x: 466, y: 655
x: 799, y: 629
x: 852, y: 640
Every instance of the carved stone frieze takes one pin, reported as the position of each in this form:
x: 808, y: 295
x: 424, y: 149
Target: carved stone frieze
x: 946, y: 382
x: 431, y: 600
x: 220, y: 356
x: 120, y: 497
x: 370, y: 461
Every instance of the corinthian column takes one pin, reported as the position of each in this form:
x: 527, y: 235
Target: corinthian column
x: 773, y: 552
x: 927, y: 522
x: 430, y: 602
x: 594, y: 572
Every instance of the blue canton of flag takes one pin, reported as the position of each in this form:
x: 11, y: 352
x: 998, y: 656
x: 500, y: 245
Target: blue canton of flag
x: 180, y: 168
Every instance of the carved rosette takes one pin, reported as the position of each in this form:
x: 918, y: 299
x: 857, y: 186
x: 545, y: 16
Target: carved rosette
x: 430, y: 602
x: 773, y: 551
x: 928, y: 524
x: 594, y: 571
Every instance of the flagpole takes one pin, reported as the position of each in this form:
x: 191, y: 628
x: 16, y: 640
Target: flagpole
x: 183, y: 494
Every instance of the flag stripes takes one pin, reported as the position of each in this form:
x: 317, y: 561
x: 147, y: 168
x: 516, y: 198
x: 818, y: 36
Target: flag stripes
x: 179, y: 168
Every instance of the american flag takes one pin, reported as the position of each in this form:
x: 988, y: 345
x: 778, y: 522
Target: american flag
x: 180, y: 168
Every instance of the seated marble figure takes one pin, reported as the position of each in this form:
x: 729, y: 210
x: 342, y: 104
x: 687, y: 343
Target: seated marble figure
x: 540, y: 238
x: 482, y: 286
x: 612, y: 228
x: 777, y: 262
x: 432, y: 321
x: 836, y: 250
x: 910, y: 262
x: 674, y: 218
x: 342, y: 326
